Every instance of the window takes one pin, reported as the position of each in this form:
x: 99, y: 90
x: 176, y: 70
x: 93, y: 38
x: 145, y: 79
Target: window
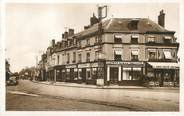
x: 167, y: 39
x: 63, y: 58
x: 96, y: 55
x: 58, y: 59
x: 117, y: 38
x: 68, y: 58
x: 151, y: 54
x: 74, y: 57
x: 134, y: 39
x: 79, y: 44
x: 74, y: 41
x: 117, y: 55
x: 96, y: 39
x: 167, y: 54
x: 87, y: 42
x: 68, y: 43
x: 151, y: 39
x: 79, y: 58
x: 134, y: 55
x: 88, y: 57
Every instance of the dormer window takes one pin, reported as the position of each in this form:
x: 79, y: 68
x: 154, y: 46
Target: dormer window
x: 133, y: 24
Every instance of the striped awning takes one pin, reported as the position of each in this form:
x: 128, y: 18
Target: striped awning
x: 164, y: 65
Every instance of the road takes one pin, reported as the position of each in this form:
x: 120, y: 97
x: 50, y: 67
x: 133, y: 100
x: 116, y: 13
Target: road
x: 34, y: 96
x: 23, y: 102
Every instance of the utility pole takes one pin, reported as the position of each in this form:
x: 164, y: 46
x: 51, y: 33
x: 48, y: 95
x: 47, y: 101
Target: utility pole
x: 100, y: 79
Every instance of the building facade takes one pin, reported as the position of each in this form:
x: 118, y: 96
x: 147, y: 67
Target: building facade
x: 133, y: 51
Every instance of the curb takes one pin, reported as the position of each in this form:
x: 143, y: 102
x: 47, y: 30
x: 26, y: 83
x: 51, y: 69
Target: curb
x: 108, y: 87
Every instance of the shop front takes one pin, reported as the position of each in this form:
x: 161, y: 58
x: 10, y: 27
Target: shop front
x: 70, y: 73
x: 163, y: 74
x: 124, y: 73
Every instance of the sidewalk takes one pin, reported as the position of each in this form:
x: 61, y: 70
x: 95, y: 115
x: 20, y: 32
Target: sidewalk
x: 83, y: 85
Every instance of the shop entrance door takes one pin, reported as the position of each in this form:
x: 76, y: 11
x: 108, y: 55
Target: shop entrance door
x: 83, y: 74
x: 114, y: 75
x: 71, y: 74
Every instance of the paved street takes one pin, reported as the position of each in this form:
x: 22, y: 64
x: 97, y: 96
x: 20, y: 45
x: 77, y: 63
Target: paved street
x: 20, y: 102
x: 35, y: 96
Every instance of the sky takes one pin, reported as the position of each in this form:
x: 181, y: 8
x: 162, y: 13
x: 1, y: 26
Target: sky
x: 30, y: 27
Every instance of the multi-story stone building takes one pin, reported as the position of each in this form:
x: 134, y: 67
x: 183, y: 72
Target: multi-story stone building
x: 134, y: 51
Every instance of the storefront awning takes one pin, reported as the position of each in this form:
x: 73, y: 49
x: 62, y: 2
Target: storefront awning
x: 164, y: 65
x: 118, y: 52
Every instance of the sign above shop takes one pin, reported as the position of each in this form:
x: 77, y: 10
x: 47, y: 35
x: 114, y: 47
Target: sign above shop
x: 70, y: 66
x: 128, y: 63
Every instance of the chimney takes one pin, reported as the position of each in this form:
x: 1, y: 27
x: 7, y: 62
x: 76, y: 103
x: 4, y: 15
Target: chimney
x: 65, y: 34
x: 70, y: 32
x: 161, y: 18
x: 86, y: 27
x: 93, y: 20
x: 53, y: 43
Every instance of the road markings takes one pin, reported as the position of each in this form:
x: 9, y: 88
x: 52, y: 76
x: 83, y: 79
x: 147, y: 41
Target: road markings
x: 22, y: 93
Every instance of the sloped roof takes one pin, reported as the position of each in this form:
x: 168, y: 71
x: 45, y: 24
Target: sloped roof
x: 121, y: 25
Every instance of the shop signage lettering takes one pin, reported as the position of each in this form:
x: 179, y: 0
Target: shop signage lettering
x: 165, y: 67
x: 83, y: 65
x: 71, y: 66
x: 128, y: 63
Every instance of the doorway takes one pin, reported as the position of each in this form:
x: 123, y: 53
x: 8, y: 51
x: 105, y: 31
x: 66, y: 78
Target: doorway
x: 114, y: 75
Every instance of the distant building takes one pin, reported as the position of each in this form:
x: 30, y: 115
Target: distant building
x: 7, y: 68
x: 135, y: 51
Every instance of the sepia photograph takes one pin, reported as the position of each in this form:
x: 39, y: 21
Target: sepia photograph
x: 92, y: 57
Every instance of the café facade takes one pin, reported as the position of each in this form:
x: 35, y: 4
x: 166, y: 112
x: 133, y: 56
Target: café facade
x: 133, y: 52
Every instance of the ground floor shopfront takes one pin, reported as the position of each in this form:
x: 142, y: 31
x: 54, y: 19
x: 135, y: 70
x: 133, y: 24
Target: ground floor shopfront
x: 111, y: 73
x: 163, y: 74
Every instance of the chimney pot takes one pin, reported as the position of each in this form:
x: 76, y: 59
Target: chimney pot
x: 161, y: 18
x: 70, y: 32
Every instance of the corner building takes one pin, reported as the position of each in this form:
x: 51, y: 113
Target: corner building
x: 134, y: 51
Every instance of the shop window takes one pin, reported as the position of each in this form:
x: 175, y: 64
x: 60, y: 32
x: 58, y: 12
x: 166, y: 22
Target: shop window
x: 117, y: 55
x: 88, y: 74
x: 94, y: 73
x: 79, y: 58
x: 88, y: 57
x: 117, y: 38
x: 75, y: 75
x: 134, y: 55
x: 80, y: 74
x: 134, y: 39
x: 134, y: 75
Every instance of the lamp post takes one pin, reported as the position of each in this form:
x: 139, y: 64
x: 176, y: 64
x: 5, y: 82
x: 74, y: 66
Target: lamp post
x: 100, y: 79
